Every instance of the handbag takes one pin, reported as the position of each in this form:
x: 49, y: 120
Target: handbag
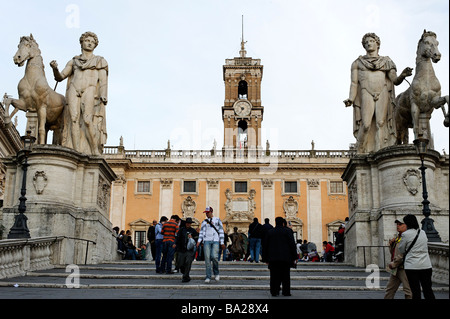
x: 409, y: 248
x: 190, y: 244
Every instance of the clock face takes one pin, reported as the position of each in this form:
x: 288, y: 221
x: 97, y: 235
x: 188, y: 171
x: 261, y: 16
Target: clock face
x: 242, y: 108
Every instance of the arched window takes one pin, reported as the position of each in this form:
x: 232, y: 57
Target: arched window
x: 242, y: 90
x: 242, y: 134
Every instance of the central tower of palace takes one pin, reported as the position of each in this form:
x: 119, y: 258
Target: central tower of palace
x: 242, y: 112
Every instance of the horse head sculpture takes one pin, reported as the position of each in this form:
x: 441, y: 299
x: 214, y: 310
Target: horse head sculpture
x: 27, y: 49
x: 427, y: 48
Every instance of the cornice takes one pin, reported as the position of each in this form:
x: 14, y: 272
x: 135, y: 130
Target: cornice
x: 224, y: 166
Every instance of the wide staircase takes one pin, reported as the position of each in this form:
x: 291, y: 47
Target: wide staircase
x: 238, y: 280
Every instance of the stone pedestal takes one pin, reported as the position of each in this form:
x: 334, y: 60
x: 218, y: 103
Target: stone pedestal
x: 385, y: 186
x: 68, y: 194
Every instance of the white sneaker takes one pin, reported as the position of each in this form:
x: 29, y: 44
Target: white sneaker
x: 207, y: 281
x: 217, y: 278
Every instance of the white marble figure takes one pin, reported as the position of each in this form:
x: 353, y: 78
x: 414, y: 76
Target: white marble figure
x: 87, y: 96
x: 371, y: 93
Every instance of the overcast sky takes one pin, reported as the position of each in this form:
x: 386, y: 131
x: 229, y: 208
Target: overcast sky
x: 165, y: 62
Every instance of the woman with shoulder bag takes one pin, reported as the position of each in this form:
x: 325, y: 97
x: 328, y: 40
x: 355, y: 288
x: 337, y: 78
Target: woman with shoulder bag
x: 417, y: 264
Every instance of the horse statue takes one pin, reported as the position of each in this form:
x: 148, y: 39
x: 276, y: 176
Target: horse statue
x: 424, y: 93
x: 35, y: 94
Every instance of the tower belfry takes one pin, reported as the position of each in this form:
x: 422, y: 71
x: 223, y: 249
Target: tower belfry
x: 242, y: 112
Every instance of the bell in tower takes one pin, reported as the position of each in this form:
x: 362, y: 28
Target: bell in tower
x: 242, y: 88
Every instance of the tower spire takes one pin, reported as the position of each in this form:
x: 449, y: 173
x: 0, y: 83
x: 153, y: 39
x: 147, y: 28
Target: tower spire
x: 243, y: 53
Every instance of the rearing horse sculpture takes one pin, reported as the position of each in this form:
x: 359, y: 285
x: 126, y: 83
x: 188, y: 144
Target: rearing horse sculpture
x: 35, y: 94
x: 424, y: 94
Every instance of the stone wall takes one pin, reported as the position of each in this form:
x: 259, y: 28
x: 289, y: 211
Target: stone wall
x: 385, y: 186
x: 439, y: 260
x: 68, y: 195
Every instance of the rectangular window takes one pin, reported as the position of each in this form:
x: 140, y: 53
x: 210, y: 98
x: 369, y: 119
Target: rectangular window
x: 240, y: 187
x: 140, y: 238
x: 290, y: 187
x: 189, y: 186
x: 143, y: 187
x: 336, y: 187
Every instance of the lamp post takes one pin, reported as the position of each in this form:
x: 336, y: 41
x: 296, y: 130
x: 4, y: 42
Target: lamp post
x: 427, y: 223
x: 20, y: 228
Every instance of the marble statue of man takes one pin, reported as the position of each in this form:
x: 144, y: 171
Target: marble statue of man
x: 371, y: 93
x: 87, y: 95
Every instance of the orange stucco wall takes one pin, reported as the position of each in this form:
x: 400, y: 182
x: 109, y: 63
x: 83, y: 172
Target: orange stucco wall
x: 146, y: 206
x: 334, y: 207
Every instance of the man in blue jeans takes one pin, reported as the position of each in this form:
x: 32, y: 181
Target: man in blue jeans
x: 169, y: 230
x: 211, y: 235
x: 159, y: 244
x: 255, y: 235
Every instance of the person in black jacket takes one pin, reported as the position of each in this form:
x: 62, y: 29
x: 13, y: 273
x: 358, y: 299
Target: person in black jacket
x: 255, y: 235
x: 185, y: 253
x: 280, y: 253
x: 151, y: 236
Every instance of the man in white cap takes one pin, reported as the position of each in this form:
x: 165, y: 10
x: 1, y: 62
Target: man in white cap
x: 398, y: 274
x: 212, y: 235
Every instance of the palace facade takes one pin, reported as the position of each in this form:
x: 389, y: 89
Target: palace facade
x: 242, y: 180
x: 10, y: 144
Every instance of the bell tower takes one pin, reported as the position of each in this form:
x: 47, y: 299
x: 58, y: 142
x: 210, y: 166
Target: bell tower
x: 242, y: 112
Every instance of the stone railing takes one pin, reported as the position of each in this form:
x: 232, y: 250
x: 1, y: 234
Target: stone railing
x: 225, y: 155
x: 18, y: 256
x: 439, y: 260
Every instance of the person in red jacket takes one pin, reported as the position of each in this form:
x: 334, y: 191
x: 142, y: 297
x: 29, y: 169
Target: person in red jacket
x: 329, y: 250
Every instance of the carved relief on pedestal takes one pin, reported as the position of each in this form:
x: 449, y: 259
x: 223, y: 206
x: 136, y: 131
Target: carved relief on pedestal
x: 2, y: 183
x: 103, y: 193
x: 39, y: 182
x: 412, y: 180
x: 240, y: 211
x: 352, y: 197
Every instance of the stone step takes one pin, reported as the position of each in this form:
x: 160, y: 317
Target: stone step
x: 227, y: 269
x: 234, y: 276
x: 200, y: 277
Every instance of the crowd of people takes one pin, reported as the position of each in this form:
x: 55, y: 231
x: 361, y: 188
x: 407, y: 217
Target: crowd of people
x: 126, y: 248
x: 167, y: 240
x: 175, y: 241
